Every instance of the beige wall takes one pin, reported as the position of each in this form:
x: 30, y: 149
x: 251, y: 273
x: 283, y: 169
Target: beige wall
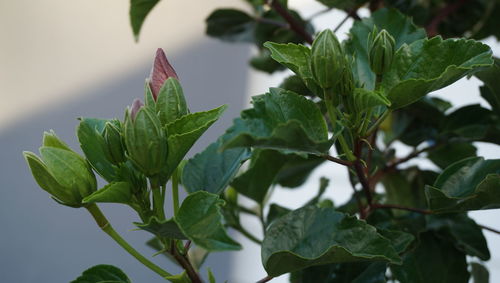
x: 49, y: 48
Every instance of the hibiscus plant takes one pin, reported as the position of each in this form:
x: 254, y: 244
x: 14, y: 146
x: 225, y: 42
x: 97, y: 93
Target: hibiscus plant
x: 344, y: 102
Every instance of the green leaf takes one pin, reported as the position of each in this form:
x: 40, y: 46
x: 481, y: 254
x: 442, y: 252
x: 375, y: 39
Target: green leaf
x: 263, y: 62
x: 179, y: 278
x: 281, y: 120
x: 116, y: 192
x: 256, y: 181
x: 301, y: 239
x: 433, y: 261
x: 184, y: 132
x: 470, y: 184
x: 102, y: 273
x: 295, y: 84
x: 139, y: 9
x: 398, y: 25
x: 212, y: 170
x: 491, y: 89
x: 295, y: 57
x: 342, y: 4
x: 479, y: 273
x: 466, y: 235
x: 200, y: 219
x: 164, y: 228
x: 211, y: 277
x: 452, y: 152
x: 366, y: 99
x: 355, y: 272
x: 275, y: 212
x: 297, y: 169
x: 92, y: 143
x: 400, y: 240
x: 231, y: 25
x: 430, y: 64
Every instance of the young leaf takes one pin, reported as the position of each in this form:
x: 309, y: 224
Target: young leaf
x: 92, y: 144
x: 295, y: 57
x: 164, y: 228
x: 398, y: 25
x: 200, y: 219
x: 139, y: 9
x: 102, y: 273
x: 433, y: 261
x: 301, y: 239
x: 213, y: 169
x: 430, y: 64
x: 469, y: 184
x: 231, y: 25
x: 366, y: 99
x: 281, y: 120
x: 116, y: 192
x: 184, y: 132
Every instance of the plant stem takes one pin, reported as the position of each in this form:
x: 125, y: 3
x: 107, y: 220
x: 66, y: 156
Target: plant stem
x: 294, y: 24
x: 333, y: 120
x: 175, y: 191
x: 104, y: 224
x: 377, y: 123
x: 489, y: 229
x: 185, y: 263
x: 265, y: 279
x: 337, y: 160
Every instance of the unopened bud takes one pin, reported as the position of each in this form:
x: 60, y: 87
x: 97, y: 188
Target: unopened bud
x: 327, y: 59
x: 170, y: 103
x: 161, y: 71
x: 381, y: 48
x: 114, y: 143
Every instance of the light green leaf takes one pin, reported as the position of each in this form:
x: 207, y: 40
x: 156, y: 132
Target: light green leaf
x: 428, y: 65
x: 301, y: 239
x: 102, y: 273
x: 365, y: 99
x: 398, y: 25
x: 92, y: 143
x: 184, y: 132
x: 433, y: 261
x: 139, y: 9
x: 231, y: 25
x: 213, y: 169
x: 281, y: 120
x: 200, y: 219
x: 470, y: 184
x: 116, y: 192
x: 295, y: 57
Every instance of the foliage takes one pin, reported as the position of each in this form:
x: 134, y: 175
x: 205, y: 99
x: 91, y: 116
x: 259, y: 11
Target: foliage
x: 346, y: 102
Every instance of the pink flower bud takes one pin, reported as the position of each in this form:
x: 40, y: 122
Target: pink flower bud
x: 162, y: 70
x: 136, y: 105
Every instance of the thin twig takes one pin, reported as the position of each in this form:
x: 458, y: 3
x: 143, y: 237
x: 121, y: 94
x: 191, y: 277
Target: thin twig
x: 489, y: 229
x: 185, y: 263
x: 394, y: 206
x: 265, y: 279
x: 337, y: 160
x: 360, y: 172
x: 294, y: 24
x: 187, y: 246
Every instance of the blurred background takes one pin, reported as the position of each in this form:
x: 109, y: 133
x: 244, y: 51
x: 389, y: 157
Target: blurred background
x: 60, y: 60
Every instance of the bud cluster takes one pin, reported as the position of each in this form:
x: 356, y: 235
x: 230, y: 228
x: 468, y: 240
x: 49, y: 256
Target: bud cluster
x: 381, y: 48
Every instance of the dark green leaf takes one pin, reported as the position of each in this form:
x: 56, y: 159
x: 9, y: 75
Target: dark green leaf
x: 433, y: 261
x: 102, y: 273
x: 294, y: 83
x: 256, y: 181
x: 450, y: 153
x: 399, y: 26
x: 491, y: 89
x: 463, y: 231
x: 93, y: 146
x: 281, y: 120
x: 184, y: 132
x: 164, y: 228
x: 479, y: 273
x: 139, y: 9
x: 355, y: 272
x: 342, y: 4
x: 116, y: 192
x: 213, y: 169
x: 400, y: 240
x: 301, y: 239
x: 470, y: 184
x: 275, y: 212
x: 297, y: 169
x: 200, y: 219
x: 295, y: 57
x: 231, y: 25
x: 264, y: 62
x: 428, y: 65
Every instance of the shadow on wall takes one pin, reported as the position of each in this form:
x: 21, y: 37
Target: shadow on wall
x: 41, y: 241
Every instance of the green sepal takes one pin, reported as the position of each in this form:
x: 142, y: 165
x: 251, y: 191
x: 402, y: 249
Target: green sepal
x: 50, y: 139
x: 327, y: 59
x: 171, y: 103
x: 179, y: 278
x: 115, y: 192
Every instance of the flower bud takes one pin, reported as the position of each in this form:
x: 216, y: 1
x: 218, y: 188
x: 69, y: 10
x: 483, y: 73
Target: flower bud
x: 161, y: 71
x: 381, y: 48
x: 145, y: 140
x: 346, y: 86
x: 327, y: 59
x: 170, y: 103
x: 114, y: 143
x: 64, y: 174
